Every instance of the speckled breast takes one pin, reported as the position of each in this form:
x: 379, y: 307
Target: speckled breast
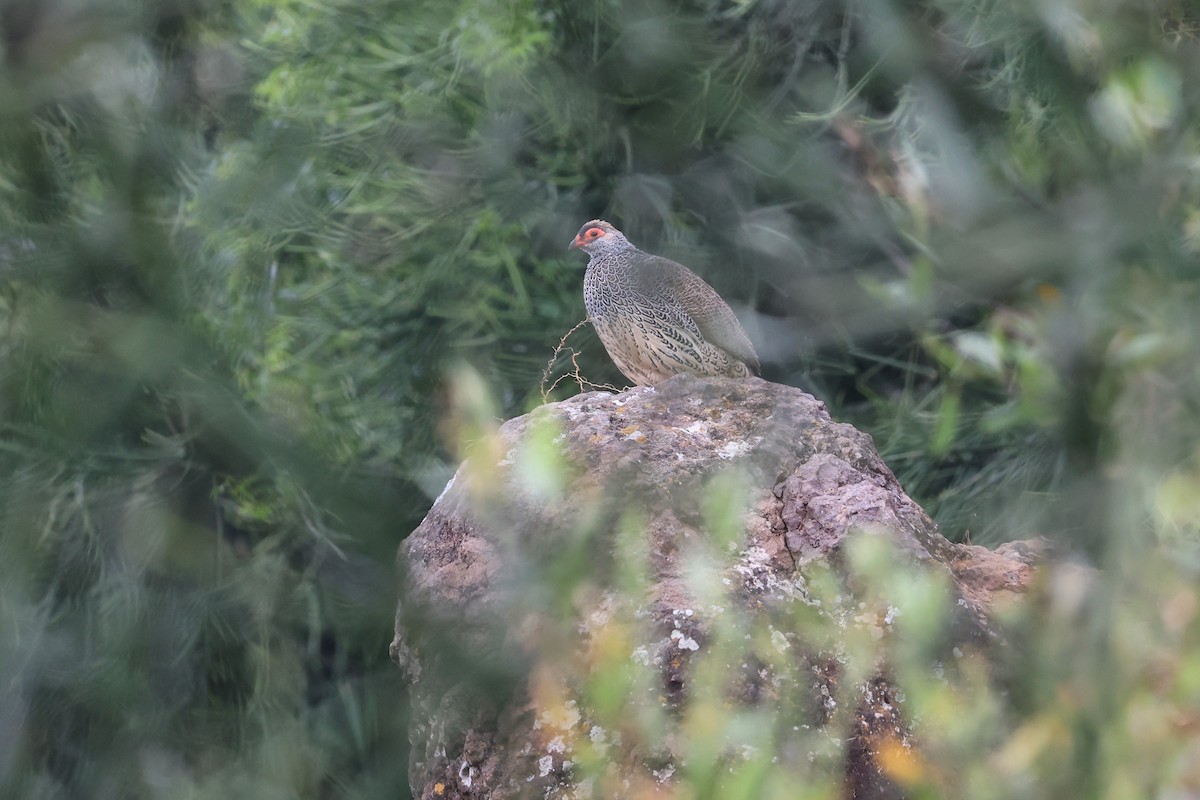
x: 648, y: 339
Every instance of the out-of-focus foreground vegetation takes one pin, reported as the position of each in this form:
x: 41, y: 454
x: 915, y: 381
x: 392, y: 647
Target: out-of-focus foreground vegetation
x: 245, y: 245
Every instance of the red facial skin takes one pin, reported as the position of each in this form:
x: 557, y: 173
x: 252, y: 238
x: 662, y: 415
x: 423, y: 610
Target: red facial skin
x: 590, y: 235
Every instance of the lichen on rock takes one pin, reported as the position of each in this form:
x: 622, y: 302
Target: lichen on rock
x: 678, y: 583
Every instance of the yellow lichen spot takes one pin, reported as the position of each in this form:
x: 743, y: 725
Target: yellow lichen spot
x: 901, y: 764
x: 557, y: 711
x: 631, y: 433
x: 1049, y: 293
x: 1044, y: 737
x: 610, y: 645
x: 707, y: 720
x: 439, y: 789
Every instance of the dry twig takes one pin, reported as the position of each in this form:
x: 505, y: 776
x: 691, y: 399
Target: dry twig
x: 574, y: 372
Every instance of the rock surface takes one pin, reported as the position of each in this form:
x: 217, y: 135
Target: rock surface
x: 607, y: 570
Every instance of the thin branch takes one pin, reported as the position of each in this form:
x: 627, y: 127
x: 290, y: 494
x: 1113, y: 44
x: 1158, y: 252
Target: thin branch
x: 575, y: 371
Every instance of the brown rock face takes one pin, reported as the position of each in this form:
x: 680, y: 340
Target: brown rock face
x: 624, y: 591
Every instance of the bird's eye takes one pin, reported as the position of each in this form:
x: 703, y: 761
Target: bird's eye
x: 594, y: 233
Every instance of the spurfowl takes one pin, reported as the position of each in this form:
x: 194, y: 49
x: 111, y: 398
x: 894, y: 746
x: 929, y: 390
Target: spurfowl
x: 655, y: 317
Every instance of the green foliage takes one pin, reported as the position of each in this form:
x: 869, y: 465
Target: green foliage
x: 246, y: 245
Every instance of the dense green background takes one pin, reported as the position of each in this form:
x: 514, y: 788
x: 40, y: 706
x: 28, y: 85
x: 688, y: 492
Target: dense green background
x: 255, y: 257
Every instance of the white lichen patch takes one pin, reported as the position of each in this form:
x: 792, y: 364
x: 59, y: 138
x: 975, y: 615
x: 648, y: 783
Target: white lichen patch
x: 779, y: 641
x: 635, y: 436
x: 573, y: 411
x: 641, y: 655
x: 585, y: 790
x: 747, y: 752
x: 545, y: 764
x: 869, y: 621
x: 754, y: 571
x: 684, y: 641
x: 734, y: 449
x: 559, y: 717
x: 597, y: 619
x: 557, y: 745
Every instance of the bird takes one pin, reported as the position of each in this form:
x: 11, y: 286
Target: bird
x: 655, y: 317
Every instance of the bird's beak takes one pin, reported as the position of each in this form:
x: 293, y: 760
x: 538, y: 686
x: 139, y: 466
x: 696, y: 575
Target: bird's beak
x: 576, y: 242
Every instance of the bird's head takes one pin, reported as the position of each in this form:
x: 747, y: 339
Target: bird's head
x: 598, y: 236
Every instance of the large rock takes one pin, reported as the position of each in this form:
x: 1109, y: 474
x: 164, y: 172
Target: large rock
x: 612, y: 586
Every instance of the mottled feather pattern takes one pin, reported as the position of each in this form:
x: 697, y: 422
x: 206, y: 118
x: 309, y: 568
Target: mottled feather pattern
x: 655, y: 317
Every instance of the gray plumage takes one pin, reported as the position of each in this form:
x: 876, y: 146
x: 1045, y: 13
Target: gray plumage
x: 655, y: 317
